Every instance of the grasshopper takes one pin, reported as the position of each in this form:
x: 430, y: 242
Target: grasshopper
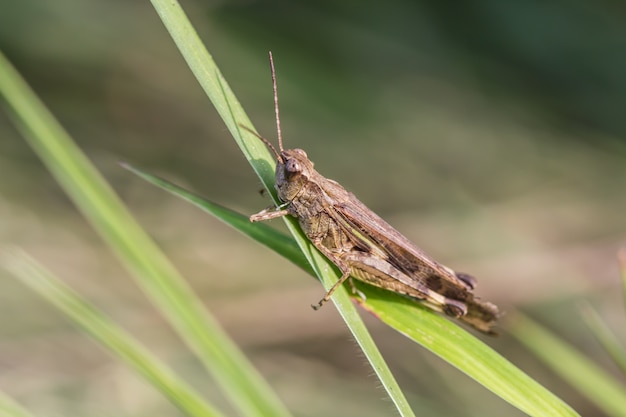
x: 361, y: 244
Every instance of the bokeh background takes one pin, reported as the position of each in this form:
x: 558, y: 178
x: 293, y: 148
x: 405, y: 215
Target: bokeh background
x: 490, y: 133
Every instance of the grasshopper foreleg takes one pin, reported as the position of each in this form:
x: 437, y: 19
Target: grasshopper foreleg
x: 269, y: 213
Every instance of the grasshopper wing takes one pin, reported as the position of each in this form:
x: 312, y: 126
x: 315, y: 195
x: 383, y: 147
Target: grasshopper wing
x: 375, y: 235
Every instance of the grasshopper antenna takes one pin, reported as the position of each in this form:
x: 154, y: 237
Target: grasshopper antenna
x: 280, y: 136
x: 265, y: 141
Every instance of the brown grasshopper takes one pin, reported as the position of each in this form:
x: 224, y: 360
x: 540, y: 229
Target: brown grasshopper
x: 362, y: 244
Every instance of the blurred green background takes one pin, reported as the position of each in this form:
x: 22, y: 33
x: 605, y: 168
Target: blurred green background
x: 490, y: 133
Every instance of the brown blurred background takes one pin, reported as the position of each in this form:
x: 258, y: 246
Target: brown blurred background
x: 490, y: 133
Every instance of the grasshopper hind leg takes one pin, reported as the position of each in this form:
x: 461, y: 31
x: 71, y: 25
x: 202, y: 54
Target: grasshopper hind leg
x: 445, y: 305
x: 356, y: 291
x: 467, y: 279
x: 454, y: 308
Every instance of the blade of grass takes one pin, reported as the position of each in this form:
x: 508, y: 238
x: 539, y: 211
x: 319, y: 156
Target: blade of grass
x: 420, y: 324
x: 9, y: 408
x: 101, y: 328
x: 261, y: 232
x: 465, y: 352
x: 621, y: 260
x: 605, y: 336
x: 215, y: 86
x: 588, y: 378
x: 217, y: 89
x: 238, y: 379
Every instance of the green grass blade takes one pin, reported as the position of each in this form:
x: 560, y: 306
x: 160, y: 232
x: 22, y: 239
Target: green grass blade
x: 215, y: 86
x: 101, y: 328
x: 9, y: 408
x: 621, y: 258
x: 261, y: 232
x: 588, y: 378
x: 430, y: 330
x: 605, y: 336
x: 239, y: 380
x: 465, y: 352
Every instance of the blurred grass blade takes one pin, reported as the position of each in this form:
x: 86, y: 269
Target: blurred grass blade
x: 261, y: 232
x: 605, y: 336
x: 588, y: 378
x: 621, y: 258
x: 227, y: 105
x: 101, y: 328
x: 430, y: 330
x: 9, y: 408
x: 238, y: 379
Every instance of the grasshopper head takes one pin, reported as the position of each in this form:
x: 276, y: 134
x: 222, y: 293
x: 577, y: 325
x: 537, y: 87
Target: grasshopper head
x: 293, y: 167
x: 293, y: 170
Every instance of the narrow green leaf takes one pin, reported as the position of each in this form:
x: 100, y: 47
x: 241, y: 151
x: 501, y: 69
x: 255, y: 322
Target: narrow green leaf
x: 621, y: 258
x: 227, y: 105
x: 605, y: 336
x: 458, y: 347
x: 238, y: 379
x: 214, y: 85
x: 10, y: 408
x: 437, y: 334
x: 101, y: 328
x: 588, y: 378
x: 261, y: 232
